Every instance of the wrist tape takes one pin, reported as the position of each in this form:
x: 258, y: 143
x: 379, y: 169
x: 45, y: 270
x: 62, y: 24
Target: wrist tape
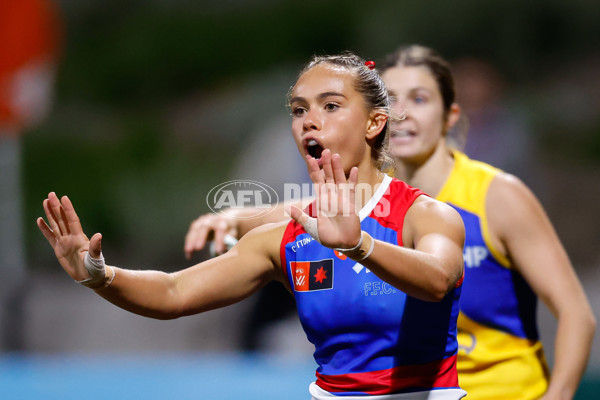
x: 312, y: 228
x: 101, y: 275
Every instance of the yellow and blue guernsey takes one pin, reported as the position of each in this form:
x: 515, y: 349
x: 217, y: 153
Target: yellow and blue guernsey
x: 500, y: 355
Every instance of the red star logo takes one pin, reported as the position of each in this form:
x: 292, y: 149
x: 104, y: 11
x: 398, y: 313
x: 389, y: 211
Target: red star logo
x: 320, y: 275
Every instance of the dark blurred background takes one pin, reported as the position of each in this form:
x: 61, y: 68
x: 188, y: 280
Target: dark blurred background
x: 156, y: 101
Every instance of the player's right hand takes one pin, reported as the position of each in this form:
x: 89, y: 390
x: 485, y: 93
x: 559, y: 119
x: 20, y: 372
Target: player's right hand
x: 209, y: 227
x: 64, y: 233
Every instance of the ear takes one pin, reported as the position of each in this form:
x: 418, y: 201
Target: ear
x: 376, y: 123
x: 453, y: 116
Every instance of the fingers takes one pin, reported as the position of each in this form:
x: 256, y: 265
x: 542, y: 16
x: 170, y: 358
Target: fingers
x: 351, y: 185
x: 59, y: 213
x: 325, y: 178
x: 219, y: 239
x: 196, y: 238
x: 208, y: 227
x: 315, y: 173
x: 326, y: 159
x: 70, y: 216
x: 335, y: 192
x: 345, y: 187
x: 51, y: 217
x: 62, y: 218
x: 95, y: 249
x: 46, y: 231
x: 337, y: 170
x: 188, y: 250
x: 332, y: 170
x: 353, y: 177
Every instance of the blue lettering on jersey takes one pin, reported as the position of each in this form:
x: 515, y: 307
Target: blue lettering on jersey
x: 376, y: 288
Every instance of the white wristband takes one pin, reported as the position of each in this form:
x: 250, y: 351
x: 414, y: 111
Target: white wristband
x: 97, y: 270
x: 370, y: 250
x: 357, y: 253
x: 355, y: 247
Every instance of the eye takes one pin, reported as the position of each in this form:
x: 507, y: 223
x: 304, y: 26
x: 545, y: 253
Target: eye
x: 419, y: 100
x: 331, y: 106
x: 298, y: 111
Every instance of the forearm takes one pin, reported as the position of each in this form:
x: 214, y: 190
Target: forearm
x: 418, y: 274
x: 147, y: 293
x: 573, y: 342
x: 211, y: 284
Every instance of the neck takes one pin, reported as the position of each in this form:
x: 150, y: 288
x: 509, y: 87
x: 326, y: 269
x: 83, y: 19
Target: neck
x: 370, y: 176
x: 428, y: 175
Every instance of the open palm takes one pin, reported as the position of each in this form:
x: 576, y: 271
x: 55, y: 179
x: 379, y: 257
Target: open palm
x: 64, y: 233
x: 338, y: 225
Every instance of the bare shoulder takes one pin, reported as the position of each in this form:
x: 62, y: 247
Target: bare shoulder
x: 509, y: 196
x: 265, y: 240
x: 510, y: 204
x: 425, y: 207
x: 509, y: 190
x: 428, y: 215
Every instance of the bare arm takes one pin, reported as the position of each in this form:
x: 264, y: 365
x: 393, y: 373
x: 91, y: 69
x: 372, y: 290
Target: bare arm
x: 431, y: 263
x: 520, y: 223
x: 253, y: 262
x: 235, y: 222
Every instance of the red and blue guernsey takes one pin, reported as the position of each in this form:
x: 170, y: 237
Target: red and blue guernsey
x: 370, y: 338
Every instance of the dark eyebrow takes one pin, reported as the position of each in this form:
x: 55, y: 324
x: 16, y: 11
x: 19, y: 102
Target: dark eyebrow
x: 320, y: 97
x: 328, y: 94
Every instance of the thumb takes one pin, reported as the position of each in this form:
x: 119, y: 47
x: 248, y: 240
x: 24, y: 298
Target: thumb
x: 309, y: 224
x: 297, y: 214
x: 96, y: 245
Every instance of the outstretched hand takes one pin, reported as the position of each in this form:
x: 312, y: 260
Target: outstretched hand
x: 65, y: 235
x: 337, y: 221
x: 216, y: 227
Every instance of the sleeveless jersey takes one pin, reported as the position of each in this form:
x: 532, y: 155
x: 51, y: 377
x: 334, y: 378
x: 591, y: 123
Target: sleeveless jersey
x: 500, y: 355
x: 370, y: 338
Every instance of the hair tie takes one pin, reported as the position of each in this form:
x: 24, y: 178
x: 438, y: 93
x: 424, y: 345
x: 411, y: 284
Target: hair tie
x: 370, y: 64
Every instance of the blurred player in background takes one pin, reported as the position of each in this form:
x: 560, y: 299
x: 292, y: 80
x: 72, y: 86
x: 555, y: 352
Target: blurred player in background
x: 512, y: 252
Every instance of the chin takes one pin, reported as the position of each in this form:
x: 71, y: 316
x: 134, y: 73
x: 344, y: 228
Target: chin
x: 401, y: 153
x: 407, y: 157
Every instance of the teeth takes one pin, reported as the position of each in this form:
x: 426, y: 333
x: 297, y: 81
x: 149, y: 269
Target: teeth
x: 401, y: 133
x: 312, y: 142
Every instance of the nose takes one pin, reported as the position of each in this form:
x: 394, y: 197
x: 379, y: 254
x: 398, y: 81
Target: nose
x: 311, y: 122
x: 400, y: 111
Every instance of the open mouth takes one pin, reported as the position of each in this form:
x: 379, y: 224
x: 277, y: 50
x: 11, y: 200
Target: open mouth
x: 400, y: 133
x: 313, y: 148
